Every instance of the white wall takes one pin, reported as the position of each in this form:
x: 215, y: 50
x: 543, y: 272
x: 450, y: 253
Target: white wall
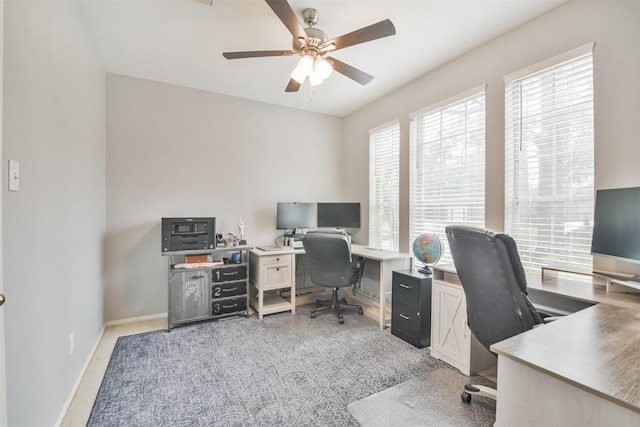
x: 53, y: 227
x: 176, y: 152
x: 614, y: 26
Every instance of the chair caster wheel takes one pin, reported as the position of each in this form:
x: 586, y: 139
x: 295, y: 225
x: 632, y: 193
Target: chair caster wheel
x: 313, y: 315
x: 341, y: 319
x: 466, y: 397
x: 360, y: 312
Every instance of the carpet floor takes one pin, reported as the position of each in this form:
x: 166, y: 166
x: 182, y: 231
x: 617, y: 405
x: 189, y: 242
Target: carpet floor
x: 286, y: 370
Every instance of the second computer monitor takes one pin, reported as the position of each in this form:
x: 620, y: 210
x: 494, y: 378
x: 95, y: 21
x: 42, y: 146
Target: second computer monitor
x: 339, y: 215
x: 295, y: 215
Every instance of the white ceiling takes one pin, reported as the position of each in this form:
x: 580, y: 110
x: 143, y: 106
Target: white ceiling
x: 181, y: 42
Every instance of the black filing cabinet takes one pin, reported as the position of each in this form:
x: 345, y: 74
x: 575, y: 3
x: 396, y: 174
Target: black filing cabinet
x: 411, y: 307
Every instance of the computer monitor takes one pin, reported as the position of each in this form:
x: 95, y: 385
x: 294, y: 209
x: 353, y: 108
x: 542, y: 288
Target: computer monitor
x: 339, y: 215
x: 616, y: 224
x: 295, y: 215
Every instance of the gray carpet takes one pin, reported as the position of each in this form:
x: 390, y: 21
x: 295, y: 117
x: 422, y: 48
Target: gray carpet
x: 283, y: 371
x: 431, y: 400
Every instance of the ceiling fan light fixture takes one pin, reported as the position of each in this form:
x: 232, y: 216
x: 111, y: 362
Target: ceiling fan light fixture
x: 322, y: 68
x: 303, y: 69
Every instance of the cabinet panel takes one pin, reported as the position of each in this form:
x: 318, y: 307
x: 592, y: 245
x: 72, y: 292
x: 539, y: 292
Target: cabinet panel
x: 451, y: 337
x: 189, y: 295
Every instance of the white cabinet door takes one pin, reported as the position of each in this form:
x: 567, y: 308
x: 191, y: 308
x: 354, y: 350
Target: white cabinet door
x: 450, y: 336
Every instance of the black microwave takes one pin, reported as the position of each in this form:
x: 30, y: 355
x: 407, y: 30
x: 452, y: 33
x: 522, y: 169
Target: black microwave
x: 187, y: 234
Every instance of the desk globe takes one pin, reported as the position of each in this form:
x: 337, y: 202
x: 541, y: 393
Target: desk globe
x: 428, y: 249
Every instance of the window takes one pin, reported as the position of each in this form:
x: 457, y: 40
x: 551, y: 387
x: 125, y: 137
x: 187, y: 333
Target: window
x: 384, y: 186
x: 447, y: 146
x: 549, y: 181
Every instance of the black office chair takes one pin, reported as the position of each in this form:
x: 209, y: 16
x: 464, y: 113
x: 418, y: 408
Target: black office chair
x: 495, y: 287
x: 330, y: 264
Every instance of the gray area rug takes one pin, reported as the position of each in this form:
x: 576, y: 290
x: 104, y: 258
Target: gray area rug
x: 286, y: 370
x: 431, y: 400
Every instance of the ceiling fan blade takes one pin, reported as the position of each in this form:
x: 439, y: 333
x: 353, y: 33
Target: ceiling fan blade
x: 293, y: 86
x: 372, y: 32
x: 256, y: 54
x: 288, y: 17
x: 349, y: 71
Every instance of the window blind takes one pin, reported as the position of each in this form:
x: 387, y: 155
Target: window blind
x: 549, y: 162
x: 447, y: 156
x: 384, y: 186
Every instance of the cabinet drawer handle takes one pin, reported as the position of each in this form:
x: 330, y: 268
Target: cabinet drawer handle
x: 404, y: 317
x: 402, y: 285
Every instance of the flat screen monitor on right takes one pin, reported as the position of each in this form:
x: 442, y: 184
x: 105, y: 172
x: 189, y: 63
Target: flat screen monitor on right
x: 616, y: 224
x: 339, y: 215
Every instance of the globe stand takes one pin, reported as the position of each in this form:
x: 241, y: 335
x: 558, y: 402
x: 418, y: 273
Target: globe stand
x: 425, y: 269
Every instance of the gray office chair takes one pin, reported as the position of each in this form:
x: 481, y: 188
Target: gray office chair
x: 330, y: 264
x: 495, y: 287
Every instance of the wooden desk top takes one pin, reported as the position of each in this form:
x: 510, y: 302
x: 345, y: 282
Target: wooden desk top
x: 596, y: 349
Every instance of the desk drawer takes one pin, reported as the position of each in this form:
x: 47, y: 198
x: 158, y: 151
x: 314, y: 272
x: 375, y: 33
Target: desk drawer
x: 228, y: 289
x: 227, y: 306
x: 406, y: 290
x: 410, y: 325
x: 275, y: 259
x: 275, y: 276
x: 225, y: 274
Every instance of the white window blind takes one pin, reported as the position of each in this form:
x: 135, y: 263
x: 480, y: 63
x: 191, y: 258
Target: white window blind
x: 447, y: 155
x: 384, y: 186
x: 549, y: 181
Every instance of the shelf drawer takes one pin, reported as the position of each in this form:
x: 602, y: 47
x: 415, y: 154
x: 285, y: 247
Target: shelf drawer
x: 276, y: 259
x: 406, y: 290
x: 406, y: 323
x: 228, y: 289
x: 274, y: 277
x: 230, y: 273
x: 227, y: 306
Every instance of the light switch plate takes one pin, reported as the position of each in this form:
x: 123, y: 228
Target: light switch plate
x: 14, y: 175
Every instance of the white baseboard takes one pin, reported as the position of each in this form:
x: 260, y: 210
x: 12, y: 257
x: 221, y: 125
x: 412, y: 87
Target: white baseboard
x: 136, y: 319
x: 75, y: 387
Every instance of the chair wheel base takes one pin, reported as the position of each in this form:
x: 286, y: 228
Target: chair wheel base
x: 466, y: 397
x: 341, y: 319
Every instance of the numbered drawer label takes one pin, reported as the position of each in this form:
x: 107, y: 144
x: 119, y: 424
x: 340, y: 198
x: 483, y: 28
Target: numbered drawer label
x: 225, y: 290
x: 228, y: 306
x: 226, y: 274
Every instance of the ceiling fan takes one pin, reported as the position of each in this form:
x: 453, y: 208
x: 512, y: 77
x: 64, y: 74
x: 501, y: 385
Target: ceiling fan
x: 312, y: 45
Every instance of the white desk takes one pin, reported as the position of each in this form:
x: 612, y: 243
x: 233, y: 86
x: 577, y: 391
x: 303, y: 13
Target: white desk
x: 387, y: 261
